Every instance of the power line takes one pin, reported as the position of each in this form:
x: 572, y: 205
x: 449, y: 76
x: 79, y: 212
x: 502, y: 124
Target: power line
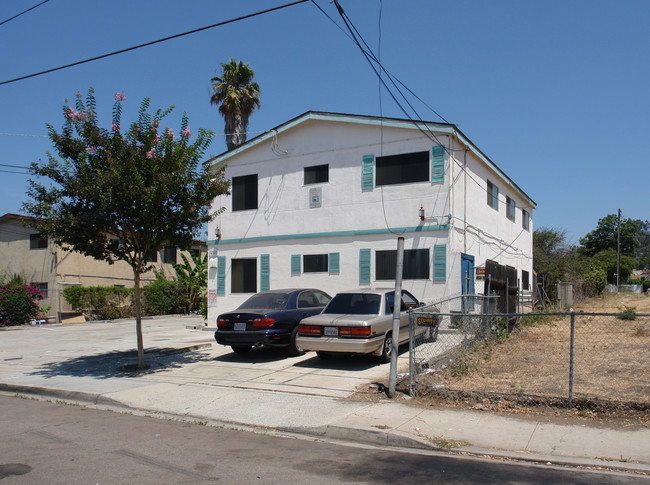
x: 13, y: 166
x: 23, y: 12
x: 13, y: 171
x: 146, y: 44
x: 23, y: 134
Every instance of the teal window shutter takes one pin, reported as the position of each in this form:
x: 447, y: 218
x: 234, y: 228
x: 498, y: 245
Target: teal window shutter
x: 221, y: 275
x: 367, y: 172
x: 440, y: 262
x: 295, y: 264
x: 364, y: 266
x: 334, y: 262
x: 438, y: 164
x: 265, y: 269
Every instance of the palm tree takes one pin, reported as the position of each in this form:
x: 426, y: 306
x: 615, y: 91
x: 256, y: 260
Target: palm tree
x: 237, y: 97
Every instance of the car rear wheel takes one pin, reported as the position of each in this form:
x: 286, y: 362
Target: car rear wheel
x: 293, y: 348
x: 387, y: 348
x: 241, y: 349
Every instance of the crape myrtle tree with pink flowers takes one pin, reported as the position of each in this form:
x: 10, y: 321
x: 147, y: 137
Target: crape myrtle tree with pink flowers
x: 122, y: 194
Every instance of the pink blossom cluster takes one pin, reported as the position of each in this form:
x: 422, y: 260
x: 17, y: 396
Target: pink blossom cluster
x: 169, y: 133
x: 71, y: 114
x: 186, y: 132
x: 120, y: 96
x: 151, y: 154
x: 115, y: 127
x: 91, y: 149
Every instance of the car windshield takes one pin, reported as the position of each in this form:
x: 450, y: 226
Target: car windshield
x: 266, y: 301
x: 354, y: 304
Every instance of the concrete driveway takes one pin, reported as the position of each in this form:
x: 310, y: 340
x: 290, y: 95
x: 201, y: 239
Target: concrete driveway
x: 179, y: 350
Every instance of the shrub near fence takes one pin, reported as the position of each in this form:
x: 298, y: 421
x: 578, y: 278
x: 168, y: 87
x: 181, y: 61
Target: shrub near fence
x: 538, y: 357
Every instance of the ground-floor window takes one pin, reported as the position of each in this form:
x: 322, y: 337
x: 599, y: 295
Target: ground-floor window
x: 416, y: 264
x: 315, y: 263
x: 244, y: 276
x: 525, y: 285
x: 42, y: 287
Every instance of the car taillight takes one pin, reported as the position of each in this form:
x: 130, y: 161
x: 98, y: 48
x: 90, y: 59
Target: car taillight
x: 263, y: 322
x: 308, y: 329
x: 221, y: 323
x: 354, y: 331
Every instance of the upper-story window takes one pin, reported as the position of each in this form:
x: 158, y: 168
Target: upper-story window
x: 317, y: 174
x: 492, y: 195
x: 403, y: 168
x: 510, y: 208
x: 525, y: 219
x: 37, y: 242
x: 244, y: 192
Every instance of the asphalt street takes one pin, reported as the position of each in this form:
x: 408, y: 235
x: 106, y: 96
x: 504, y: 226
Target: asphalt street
x: 56, y: 443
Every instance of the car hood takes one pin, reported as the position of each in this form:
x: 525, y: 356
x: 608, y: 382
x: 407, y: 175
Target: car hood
x: 335, y: 319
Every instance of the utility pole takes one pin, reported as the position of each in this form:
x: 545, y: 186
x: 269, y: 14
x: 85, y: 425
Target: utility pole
x: 618, y: 254
x: 397, y: 305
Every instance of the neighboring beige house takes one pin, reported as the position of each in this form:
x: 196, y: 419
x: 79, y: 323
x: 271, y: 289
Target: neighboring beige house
x: 49, y: 268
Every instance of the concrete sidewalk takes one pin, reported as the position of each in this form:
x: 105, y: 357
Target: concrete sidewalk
x: 194, y: 379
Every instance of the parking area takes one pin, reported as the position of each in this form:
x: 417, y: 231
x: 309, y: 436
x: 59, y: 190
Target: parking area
x: 179, y: 350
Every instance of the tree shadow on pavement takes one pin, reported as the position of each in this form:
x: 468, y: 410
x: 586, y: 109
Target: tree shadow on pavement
x: 107, y: 365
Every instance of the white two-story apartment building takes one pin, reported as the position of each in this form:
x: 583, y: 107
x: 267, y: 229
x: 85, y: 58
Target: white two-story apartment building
x: 320, y: 201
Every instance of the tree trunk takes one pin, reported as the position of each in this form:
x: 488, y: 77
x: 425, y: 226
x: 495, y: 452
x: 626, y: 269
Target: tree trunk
x: 138, y: 319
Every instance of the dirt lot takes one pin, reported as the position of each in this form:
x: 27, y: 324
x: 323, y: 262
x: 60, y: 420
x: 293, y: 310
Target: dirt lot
x: 528, y: 373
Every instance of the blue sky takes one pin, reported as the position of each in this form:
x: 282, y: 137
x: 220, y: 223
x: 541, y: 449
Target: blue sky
x: 556, y: 93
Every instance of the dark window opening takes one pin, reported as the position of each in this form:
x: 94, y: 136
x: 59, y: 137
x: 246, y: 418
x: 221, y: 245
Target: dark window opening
x: 525, y: 284
x: 244, y: 276
x: 42, y: 287
x: 37, y: 242
x: 169, y: 254
x: 317, y: 174
x: 510, y: 208
x: 403, y: 169
x: 315, y: 263
x: 416, y: 264
x: 492, y: 195
x: 244, y: 192
x: 525, y: 221
x: 196, y: 253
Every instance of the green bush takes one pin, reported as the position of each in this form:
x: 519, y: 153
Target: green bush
x: 163, y: 296
x: 105, y: 302
x: 595, y: 277
x: 18, y: 303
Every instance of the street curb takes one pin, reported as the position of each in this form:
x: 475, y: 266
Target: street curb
x: 388, y: 438
x: 96, y: 399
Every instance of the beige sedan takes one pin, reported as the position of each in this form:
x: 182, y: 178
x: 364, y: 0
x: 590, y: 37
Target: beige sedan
x: 358, y: 322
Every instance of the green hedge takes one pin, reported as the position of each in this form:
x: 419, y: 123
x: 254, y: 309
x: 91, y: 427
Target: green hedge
x: 160, y: 297
x: 105, y: 302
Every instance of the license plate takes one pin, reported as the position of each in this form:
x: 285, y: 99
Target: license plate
x: 239, y: 326
x: 331, y: 331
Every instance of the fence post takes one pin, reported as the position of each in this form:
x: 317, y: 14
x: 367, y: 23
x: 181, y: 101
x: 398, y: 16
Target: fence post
x: 571, y: 355
x: 411, y: 355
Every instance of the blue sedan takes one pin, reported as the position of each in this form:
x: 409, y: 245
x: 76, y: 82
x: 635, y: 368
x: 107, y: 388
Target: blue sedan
x: 269, y: 318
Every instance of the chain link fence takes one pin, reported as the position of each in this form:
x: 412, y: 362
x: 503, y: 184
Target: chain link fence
x: 466, y: 349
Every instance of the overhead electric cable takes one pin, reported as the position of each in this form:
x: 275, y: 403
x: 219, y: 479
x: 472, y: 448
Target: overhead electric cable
x: 371, y: 58
x: 23, y: 12
x: 146, y: 44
